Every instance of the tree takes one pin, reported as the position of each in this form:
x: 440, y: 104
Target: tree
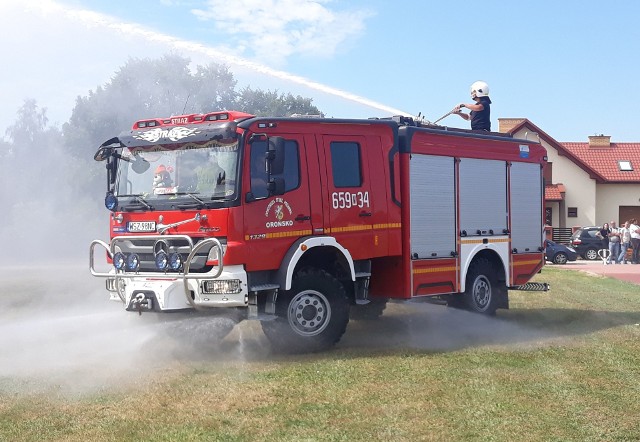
x: 270, y: 103
x: 30, y: 123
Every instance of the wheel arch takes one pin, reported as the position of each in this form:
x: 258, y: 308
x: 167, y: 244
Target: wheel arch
x: 323, y: 252
x: 494, y: 259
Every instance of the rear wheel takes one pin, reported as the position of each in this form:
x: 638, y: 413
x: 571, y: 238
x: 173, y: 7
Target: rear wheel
x: 312, y: 316
x: 482, y: 289
x: 591, y: 254
x: 560, y: 258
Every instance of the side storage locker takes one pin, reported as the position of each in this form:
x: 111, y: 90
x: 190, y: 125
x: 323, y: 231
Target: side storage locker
x: 433, y: 210
x: 526, y: 209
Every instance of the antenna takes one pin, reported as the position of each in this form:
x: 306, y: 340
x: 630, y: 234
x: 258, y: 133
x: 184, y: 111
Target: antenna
x: 185, y: 104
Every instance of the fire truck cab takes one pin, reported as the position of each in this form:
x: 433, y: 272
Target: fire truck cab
x: 299, y: 220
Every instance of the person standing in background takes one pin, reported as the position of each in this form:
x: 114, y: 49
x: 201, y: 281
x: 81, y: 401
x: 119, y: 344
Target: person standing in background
x: 603, y: 234
x: 614, y: 243
x: 634, y: 231
x: 625, y: 242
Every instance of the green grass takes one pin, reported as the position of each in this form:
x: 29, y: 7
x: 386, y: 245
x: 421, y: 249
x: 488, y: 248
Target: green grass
x: 559, y: 365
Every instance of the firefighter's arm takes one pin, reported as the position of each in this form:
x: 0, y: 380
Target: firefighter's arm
x: 472, y: 107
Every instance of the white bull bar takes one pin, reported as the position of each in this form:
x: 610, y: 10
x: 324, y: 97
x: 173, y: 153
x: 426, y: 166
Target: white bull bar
x: 184, y: 275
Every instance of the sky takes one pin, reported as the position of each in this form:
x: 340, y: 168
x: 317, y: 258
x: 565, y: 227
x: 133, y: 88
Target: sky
x: 568, y: 66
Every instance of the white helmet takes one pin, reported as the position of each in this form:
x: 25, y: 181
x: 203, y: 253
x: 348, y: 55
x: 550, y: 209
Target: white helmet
x: 479, y: 89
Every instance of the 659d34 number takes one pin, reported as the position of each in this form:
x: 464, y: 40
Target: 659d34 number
x: 346, y: 200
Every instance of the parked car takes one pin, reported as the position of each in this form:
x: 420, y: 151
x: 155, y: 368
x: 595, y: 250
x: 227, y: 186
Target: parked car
x: 586, y: 243
x: 559, y: 253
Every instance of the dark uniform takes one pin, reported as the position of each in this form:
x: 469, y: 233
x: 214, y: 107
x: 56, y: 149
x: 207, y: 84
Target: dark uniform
x: 481, y: 120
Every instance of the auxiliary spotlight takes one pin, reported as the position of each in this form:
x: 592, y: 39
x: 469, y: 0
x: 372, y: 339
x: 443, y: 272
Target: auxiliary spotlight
x: 133, y: 262
x: 118, y: 261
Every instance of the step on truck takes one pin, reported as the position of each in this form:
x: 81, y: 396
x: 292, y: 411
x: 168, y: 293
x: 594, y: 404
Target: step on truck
x: 300, y: 221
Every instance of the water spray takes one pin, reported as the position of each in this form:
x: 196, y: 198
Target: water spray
x: 91, y: 18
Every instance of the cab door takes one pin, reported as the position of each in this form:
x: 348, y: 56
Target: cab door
x: 350, y: 208
x: 273, y: 223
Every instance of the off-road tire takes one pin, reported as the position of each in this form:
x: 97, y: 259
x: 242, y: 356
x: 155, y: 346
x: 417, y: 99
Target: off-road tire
x: 482, y: 290
x: 311, y: 317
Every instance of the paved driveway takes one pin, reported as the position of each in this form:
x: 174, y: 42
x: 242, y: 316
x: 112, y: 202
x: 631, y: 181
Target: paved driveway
x: 624, y: 272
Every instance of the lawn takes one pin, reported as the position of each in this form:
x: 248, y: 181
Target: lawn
x: 559, y: 365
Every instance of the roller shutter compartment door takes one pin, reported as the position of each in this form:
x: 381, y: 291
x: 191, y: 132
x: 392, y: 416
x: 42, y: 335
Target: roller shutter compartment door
x: 483, y: 196
x: 432, y: 206
x: 526, y: 207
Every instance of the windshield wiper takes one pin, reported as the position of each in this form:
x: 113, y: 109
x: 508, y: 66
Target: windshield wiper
x: 191, y: 195
x: 139, y: 199
x: 198, y: 202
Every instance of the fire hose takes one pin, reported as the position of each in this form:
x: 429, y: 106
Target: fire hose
x: 453, y: 111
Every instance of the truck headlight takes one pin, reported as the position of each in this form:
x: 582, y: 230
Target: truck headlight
x: 111, y: 202
x: 216, y: 287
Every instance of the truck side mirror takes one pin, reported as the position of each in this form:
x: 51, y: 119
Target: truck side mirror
x: 106, y: 149
x: 276, y: 186
x: 139, y: 164
x: 102, y: 154
x: 275, y: 155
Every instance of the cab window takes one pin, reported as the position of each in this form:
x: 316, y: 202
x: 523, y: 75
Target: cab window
x: 258, y: 170
x: 345, y: 163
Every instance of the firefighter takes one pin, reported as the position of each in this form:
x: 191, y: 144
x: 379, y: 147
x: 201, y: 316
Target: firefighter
x: 480, y: 114
x: 211, y: 175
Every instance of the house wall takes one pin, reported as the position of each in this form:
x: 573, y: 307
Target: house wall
x: 580, y: 188
x: 611, y: 196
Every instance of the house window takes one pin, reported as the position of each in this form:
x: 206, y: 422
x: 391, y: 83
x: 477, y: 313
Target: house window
x: 548, y: 173
x: 625, y: 165
x: 572, y: 212
x: 548, y: 216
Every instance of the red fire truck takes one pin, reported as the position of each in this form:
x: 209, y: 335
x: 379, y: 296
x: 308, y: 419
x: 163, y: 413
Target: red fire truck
x: 298, y: 220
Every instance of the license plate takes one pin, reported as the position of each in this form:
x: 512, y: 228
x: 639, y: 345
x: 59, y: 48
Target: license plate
x: 141, y: 226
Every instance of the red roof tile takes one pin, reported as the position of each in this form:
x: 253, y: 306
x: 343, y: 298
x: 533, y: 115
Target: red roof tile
x: 601, y: 163
x: 604, y: 160
x: 554, y: 192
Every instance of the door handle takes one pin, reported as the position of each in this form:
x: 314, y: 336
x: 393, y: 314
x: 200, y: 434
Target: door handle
x: 302, y: 218
x: 363, y: 213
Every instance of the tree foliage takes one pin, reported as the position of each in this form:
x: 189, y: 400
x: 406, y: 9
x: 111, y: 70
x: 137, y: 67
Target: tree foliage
x: 270, y: 103
x: 148, y: 88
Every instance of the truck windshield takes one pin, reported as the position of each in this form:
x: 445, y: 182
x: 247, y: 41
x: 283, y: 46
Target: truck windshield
x: 182, y: 171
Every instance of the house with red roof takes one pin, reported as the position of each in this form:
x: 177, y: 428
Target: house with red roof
x: 586, y: 183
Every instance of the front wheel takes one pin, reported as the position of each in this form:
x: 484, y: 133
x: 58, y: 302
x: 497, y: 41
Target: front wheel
x: 560, y: 258
x: 481, y: 293
x: 312, y: 316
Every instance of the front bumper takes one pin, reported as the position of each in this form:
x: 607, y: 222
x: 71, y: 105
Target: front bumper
x: 181, y: 290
